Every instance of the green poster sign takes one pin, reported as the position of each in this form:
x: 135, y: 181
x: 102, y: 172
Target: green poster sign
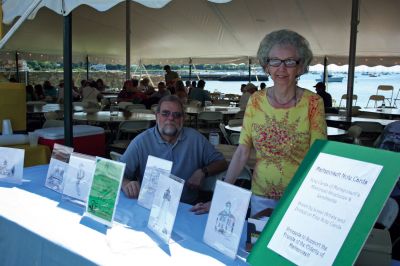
x: 105, y: 189
x: 330, y: 206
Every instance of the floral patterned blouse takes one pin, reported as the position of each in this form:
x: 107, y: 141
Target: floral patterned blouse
x: 281, y: 138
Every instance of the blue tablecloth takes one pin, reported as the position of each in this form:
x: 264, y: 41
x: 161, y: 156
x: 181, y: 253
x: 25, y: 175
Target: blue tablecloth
x: 40, y: 227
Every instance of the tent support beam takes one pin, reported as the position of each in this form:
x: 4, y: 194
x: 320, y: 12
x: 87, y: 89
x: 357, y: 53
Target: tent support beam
x: 16, y: 67
x: 352, y: 55
x: 68, y: 136
x: 325, y: 70
x: 128, y: 38
x: 249, y: 69
x: 17, y: 24
x: 87, y: 67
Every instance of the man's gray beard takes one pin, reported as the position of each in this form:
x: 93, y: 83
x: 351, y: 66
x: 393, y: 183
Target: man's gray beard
x: 169, y: 131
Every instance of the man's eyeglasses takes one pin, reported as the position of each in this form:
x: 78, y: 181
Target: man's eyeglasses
x: 175, y: 115
x: 274, y: 62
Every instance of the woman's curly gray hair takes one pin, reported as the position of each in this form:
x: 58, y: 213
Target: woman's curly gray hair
x: 282, y: 38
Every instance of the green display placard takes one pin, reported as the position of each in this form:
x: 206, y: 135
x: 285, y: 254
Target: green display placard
x: 331, y: 174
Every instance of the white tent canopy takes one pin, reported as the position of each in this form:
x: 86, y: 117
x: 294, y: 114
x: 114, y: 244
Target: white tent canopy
x: 171, y: 32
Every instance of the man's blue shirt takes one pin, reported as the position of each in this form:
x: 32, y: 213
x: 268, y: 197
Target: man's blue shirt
x: 190, y: 152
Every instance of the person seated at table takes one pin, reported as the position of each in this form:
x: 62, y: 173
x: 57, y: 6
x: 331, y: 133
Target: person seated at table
x: 75, y: 94
x: 30, y: 94
x: 49, y: 91
x: 249, y: 89
x: 145, y: 87
x: 100, y: 85
x: 157, y: 95
x: 39, y: 93
x: 320, y: 88
x: 126, y: 94
x: 193, y: 157
x: 199, y: 93
x: 90, y: 92
x: 138, y: 96
x: 280, y: 123
x: 180, y: 91
x: 162, y: 91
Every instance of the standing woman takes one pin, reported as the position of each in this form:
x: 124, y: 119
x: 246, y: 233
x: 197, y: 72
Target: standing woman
x: 280, y: 123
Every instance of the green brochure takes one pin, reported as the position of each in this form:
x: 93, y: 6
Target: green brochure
x: 104, y: 191
x: 330, y: 206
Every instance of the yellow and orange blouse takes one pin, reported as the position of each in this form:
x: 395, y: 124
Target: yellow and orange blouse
x: 281, y: 138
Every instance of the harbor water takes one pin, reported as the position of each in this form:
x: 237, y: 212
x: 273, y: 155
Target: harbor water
x: 364, y: 86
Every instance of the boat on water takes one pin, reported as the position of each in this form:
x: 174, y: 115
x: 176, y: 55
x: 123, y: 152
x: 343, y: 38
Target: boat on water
x: 331, y: 78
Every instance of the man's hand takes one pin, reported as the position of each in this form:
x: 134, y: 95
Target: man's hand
x: 131, y: 188
x: 194, y: 182
x: 201, y: 208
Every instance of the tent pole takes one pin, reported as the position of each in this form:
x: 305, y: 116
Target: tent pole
x: 87, y: 67
x: 325, y: 70
x: 190, y: 68
x: 68, y: 80
x: 17, y: 24
x: 16, y: 66
x: 128, y: 38
x: 249, y: 69
x: 352, y: 55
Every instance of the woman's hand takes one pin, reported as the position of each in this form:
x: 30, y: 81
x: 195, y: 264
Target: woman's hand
x: 201, y: 208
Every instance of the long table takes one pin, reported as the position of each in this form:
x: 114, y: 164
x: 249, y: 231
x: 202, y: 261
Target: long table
x: 39, y: 227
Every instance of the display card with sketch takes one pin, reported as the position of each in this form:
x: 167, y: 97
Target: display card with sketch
x: 79, y: 176
x: 104, y: 191
x: 154, y: 167
x: 165, y: 205
x: 226, y: 218
x: 328, y: 201
x: 11, y: 165
x: 58, y: 167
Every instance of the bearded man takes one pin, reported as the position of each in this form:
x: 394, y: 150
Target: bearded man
x: 193, y: 157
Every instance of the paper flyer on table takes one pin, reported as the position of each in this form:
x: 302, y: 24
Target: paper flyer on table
x: 329, y: 200
x: 226, y: 218
x: 11, y: 165
x: 58, y: 167
x: 154, y: 167
x: 79, y: 176
x: 165, y: 205
x: 104, y: 190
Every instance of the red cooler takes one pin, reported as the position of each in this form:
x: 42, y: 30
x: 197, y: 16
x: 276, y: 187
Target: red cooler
x: 87, y: 139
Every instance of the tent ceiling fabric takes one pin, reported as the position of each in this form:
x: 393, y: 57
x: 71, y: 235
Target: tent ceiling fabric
x: 172, y: 31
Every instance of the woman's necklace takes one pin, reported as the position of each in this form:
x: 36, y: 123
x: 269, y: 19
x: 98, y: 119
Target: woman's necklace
x: 272, y: 95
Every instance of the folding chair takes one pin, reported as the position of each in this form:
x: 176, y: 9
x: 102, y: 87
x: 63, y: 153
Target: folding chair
x: 210, y: 120
x: 386, y: 88
x: 396, y: 99
x: 127, y: 130
x: 115, y: 156
x: 344, y: 97
x: 376, y: 99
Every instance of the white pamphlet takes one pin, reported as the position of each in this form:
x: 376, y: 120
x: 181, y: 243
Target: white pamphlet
x: 11, y: 165
x: 226, y: 218
x: 55, y: 175
x: 154, y: 167
x: 165, y: 205
x: 79, y: 176
x: 58, y: 167
x: 329, y: 200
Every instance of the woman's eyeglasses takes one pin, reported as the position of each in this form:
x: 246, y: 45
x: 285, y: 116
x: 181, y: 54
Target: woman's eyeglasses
x: 175, y: 115
x: 274, y: 62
